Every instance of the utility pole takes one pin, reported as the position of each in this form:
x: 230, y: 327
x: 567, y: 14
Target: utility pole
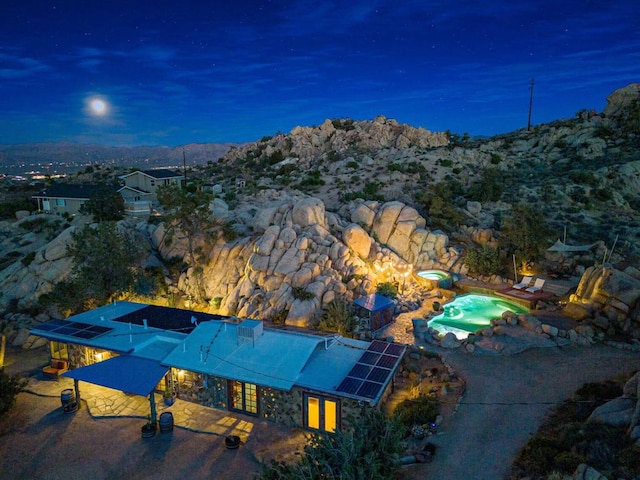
x: 184, y: 165
x: 530, y: 103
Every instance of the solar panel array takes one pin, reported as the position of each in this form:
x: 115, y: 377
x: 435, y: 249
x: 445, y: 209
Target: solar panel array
x: 372, y: 372
x: 73, y: 329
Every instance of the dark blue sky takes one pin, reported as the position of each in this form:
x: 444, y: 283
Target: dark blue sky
x: 185, y: 71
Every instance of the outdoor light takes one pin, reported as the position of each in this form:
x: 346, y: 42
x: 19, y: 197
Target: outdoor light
x: 98, y: 356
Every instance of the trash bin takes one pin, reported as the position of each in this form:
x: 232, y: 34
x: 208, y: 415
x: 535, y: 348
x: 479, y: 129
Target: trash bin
x: 166, y: 422
x: 68, y: 400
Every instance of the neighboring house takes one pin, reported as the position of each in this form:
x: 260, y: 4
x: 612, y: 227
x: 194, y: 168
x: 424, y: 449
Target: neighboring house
x: 296, y: 379
x: 63, y: 198
x: 142, y: 184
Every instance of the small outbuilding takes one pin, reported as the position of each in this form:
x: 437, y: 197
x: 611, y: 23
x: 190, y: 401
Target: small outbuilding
x: 379, y: 309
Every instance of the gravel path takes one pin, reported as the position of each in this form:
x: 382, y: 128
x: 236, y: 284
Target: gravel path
x: 506, y: 399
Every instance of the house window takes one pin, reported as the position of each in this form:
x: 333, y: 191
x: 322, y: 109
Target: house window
x: 61, y: 202
x: 243, y: 397
x: 59, y: 350
x: 321, y: 413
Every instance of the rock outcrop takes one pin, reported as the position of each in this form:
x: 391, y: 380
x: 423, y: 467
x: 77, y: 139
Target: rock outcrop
x: 304, y: 257
x: 609, y: 299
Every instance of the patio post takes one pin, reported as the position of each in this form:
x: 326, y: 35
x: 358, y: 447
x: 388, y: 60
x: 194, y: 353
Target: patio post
x: 152, y: 400
x: 77, y: 389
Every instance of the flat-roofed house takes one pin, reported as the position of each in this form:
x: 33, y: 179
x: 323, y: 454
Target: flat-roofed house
x: 320, y: 383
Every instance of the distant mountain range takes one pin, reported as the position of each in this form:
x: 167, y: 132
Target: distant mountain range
x: 65, y: 157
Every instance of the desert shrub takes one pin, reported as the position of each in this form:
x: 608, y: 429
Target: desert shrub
x: 276, y: 157
x: 216, y: 302
x: 495, y: 159
x: 228, y: 231
x: 489, y: 188
x: 603, y: 194
x: 9, y: 208
x: 299, y: 293
x: 338, y: 317
x: 418, y: 411
x: 352, y: 164
x: 539, y: 454
x: 279, y: 317
x: 10, y: 386
x: 583, y: 177
x: 346, y: 455
x: 484, y: 261
x: 564, y: 440
x: 388, y: 289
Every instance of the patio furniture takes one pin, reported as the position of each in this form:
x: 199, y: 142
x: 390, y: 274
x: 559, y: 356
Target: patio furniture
x: 56, y: 367
x: 524, y: 283
x: 537, y: 286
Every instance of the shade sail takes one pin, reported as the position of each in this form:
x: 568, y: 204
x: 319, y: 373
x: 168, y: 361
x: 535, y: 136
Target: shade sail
x: 374, y: 302
x: 563, y: 247
x: 134, y: 375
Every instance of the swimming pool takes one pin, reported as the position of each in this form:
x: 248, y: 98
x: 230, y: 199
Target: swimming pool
x: 472, y: 312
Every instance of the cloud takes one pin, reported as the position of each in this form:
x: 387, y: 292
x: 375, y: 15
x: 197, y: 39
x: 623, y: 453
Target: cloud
x: 14, y: 67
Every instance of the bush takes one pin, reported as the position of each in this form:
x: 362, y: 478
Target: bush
x: 419, y: 411
x: 347, y: 456
x: 10, y: 386
x: 388, y: 289
x: 484, y: 261
x: 338, y: 317
x: 299, y: 293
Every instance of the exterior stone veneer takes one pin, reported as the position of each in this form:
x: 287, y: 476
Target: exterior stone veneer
x: 275, y: 405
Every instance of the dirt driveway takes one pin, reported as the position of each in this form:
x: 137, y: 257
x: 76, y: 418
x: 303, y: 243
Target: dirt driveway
x: 506, y: 399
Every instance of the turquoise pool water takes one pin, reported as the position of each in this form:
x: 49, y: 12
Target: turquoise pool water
x: 433, y: 274
x: 470, y: 313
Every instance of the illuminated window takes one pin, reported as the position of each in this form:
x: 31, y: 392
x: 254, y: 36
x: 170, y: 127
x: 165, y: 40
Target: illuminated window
x: 61, y: 202
x: 243, y: 397
x: 321, y: 413
x: 59, y: 350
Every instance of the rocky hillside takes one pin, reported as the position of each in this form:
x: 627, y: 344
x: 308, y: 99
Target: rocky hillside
x: 327, y: 212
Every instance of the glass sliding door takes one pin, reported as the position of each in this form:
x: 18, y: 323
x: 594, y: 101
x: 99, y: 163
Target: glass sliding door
x: 243, y: 397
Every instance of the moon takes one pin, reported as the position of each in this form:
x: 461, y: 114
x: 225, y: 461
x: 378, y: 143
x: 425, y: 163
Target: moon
x: 98, y: 106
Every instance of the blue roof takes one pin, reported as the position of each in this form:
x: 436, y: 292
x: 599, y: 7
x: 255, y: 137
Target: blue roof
x: 374, y: 302
x: 134, y: 375
x: 244, y: 351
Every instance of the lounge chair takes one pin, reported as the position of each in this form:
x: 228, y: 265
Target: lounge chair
x: 536, y: 286
x: 523, y: 284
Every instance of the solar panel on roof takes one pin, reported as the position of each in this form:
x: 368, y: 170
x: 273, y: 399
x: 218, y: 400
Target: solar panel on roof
x: 99, y: 329
x: 73, y: 329
x: 359, y: 371
x: 350, y: 385
x: 46, y: 327
x: 377, y: 346
x: 369, y: 358
x: 369, y: 389
x: 394, y: 350
x: 386, y: 361
x: 378, y: 374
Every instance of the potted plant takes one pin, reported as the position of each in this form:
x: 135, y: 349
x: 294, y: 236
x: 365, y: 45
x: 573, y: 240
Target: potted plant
x: 148, y: 429
x: 169, y: 397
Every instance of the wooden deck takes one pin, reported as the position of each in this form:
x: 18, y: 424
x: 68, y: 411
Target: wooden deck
x: 552, y: 288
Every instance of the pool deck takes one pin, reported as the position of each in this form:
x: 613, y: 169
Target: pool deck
x: 552, y: 288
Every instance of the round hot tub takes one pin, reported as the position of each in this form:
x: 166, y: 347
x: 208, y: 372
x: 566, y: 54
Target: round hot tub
x: 431, y: 279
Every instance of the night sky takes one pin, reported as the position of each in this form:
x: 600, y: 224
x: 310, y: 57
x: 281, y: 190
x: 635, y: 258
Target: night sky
x: 169, y: 73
